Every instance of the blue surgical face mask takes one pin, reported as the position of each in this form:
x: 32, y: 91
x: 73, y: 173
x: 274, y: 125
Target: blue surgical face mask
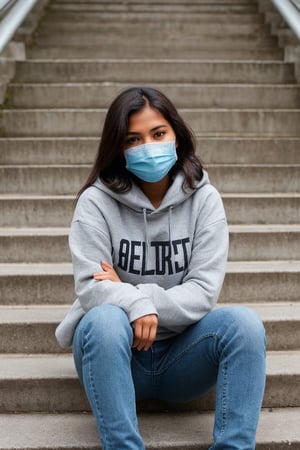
x: 151, y: 162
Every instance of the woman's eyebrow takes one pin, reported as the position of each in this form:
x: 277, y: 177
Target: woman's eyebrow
x: 159, y: 126
x: 133, y: 132
x: 152, y: 129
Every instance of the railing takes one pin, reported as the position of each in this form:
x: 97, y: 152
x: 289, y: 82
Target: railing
x: 296, y: 3
x: 290, y: 11
x: 12, y: 14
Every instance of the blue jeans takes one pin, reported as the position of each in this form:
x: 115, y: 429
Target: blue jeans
x: 225, y: 349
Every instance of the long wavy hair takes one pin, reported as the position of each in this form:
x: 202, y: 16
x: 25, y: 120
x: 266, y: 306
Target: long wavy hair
x: 109, y: 165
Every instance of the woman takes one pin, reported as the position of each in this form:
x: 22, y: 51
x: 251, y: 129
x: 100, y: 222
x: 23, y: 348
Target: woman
x: 149, y: 243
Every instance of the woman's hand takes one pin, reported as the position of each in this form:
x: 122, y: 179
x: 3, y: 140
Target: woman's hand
x: 144, y: 331
x: 144, y: 327
x: 108, y: 273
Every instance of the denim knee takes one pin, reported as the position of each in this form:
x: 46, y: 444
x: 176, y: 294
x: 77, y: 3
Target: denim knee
x: 245, y: 323
x: 106, y: 325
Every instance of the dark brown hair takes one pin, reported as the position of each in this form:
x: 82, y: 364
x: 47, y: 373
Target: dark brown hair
x: 110, y: 162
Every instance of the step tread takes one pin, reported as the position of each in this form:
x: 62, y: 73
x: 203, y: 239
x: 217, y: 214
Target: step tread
x: 58, y: 197
x: 44, y: 269
x: 279, y: 312
x: 24, y: 197
x: 84, y: 51
x: 196, y: 65
x: 206, y: 95
x: 216, y: 122
x: 80, y: 166
x: 35, y: 314
x: 274, y: 228
x: 61, y: 231
x: 293, y: 87
x: 246, y: 17
x: 263, y: 266
x: 125, y: 60
x: 181, y: 110
x: 60, y: 366
x: 261, y: 195
x: 15, y: 269
x: 63, y: 139
x: 77, y: 431
x: 55, y: 231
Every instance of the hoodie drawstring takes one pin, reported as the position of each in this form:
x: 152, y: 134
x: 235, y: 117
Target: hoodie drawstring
x: 146, y: 236
x: 147, y: 243
x: 170, y: 227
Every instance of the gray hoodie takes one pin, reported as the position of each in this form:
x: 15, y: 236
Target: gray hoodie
x: 171, y: 259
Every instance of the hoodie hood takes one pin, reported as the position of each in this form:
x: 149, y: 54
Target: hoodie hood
x: 136, y: 200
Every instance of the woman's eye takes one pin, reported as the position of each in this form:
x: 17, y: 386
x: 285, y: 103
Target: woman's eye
x: 159, y: 134
x: 131, y: 141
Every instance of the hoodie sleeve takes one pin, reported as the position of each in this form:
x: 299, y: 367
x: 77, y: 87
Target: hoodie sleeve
x: 89, y: 245
x: 185, y: 304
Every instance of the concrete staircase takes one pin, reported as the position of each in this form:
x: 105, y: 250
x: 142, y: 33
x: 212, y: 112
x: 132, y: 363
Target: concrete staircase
x: 219, y: 63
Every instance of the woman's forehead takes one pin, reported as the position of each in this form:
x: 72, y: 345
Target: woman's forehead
x: 147, y: 118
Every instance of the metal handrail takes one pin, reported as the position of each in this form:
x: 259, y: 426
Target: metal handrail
x: 5, y: 6
x: 296, y: 3
x: 13, y: 19
x: 290, y: 13
x: 4, y: 3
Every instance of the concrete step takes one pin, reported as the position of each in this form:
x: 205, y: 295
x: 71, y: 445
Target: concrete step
x: 117, y: 3
x: 255, y: 178
x: 264, y: 242
x: 278, y: 429
x: 212, y: 150
x: 247, y: 243
x: 187, y: 430
x: 126, y: 37
x: 272, y: 16
x: 33, y: 210
x: 149, y: 17
x: 63, y: 180
x: 245, y: 281
x: 210, y: 23
x: 211, y: 26
x: 49, y: 383
x: 286, y: 37
x: 170, y: 7
x: 129, y: 3
x: 163, y: 51
x: 243, y: 209
x: 34, y: 245
x: 153, y: 71
x: 208, y: 122
x: 163, y: 2
x: 100, y: 95
x: 261, y: 281
x: 29, y: 284
x: 252, y: 150
x: 30, y: 328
